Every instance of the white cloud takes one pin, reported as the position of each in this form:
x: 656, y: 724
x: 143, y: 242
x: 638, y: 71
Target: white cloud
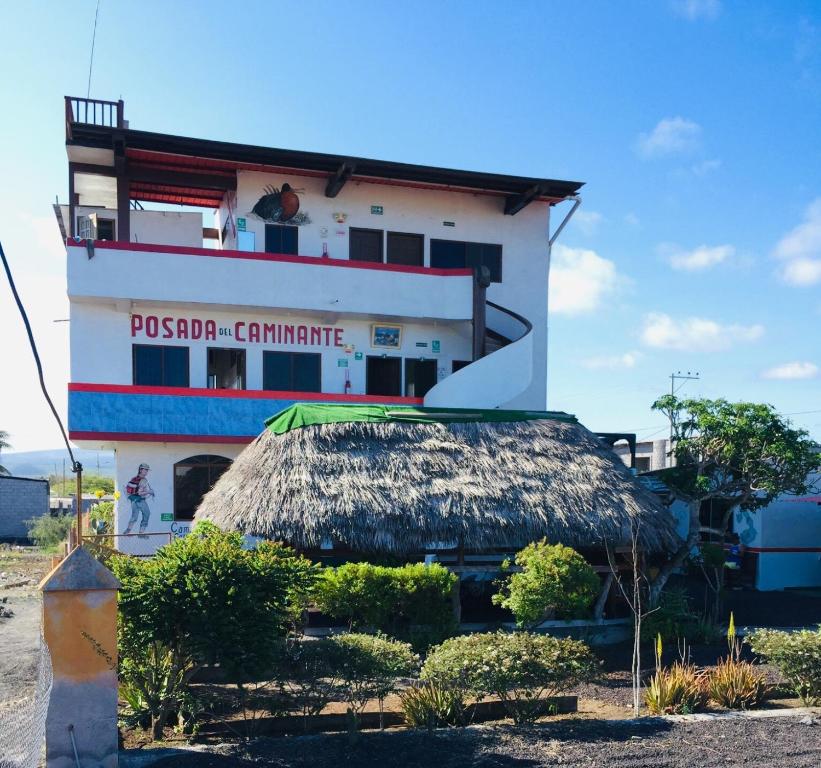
x: 800, y: 249
x: 612, y: 362
x: 705, y: 167
x: 700, y: 258
x: 694, y: 334
x: 580, y: 280
x: 692, y: 10
x: 588, y: 221
x: 672, y: 135
x: 795, y: 370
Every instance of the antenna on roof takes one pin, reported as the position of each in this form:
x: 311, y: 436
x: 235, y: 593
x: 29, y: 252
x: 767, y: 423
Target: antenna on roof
x: 91, y: 59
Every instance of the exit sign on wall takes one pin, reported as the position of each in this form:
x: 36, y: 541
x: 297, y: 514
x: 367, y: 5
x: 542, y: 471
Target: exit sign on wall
x: 377, y: 210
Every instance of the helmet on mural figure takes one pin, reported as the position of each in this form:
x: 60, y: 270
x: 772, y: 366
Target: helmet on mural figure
x: 143, y: 466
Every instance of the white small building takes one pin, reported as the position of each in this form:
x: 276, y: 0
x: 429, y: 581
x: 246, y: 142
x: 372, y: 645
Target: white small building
x: 292, y: 276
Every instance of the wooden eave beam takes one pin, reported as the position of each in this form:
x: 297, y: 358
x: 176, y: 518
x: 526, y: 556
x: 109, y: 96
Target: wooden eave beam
x: 339, y: 178
x: 515, y: 203
x: 186, y: 179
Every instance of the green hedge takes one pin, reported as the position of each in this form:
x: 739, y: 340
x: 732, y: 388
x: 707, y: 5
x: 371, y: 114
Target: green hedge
x: 412, y: 602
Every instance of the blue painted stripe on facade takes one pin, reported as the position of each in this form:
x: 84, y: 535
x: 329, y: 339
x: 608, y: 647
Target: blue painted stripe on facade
x: 169, y: 414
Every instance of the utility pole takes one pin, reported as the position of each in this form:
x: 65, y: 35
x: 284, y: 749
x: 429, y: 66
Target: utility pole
x: 678, y: 376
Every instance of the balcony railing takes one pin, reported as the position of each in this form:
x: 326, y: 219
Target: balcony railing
x: 108, y: 114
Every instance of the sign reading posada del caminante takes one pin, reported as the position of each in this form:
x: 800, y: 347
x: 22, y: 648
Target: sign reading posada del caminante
x: 194, y: 329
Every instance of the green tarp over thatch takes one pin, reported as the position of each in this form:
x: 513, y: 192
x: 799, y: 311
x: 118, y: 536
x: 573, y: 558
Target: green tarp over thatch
x: 308, y: 414
x: 399, y: 480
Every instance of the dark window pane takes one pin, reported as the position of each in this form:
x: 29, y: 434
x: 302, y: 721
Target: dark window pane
x: 148, y: 365
x: 457, y: 365
x: 454, y: 254
x: 276, y: 371
x: 105, y: 229
x: 384, y: 376
x: 420, y: 377
x: 406, y: 249
x: 175, y: 367
x: 447, y: 254
x: 193, y: 478
x: 365, y: 245
x: 281, y: 239
x: 306, y: 372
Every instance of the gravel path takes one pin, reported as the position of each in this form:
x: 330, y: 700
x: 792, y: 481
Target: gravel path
x: 651, y: 743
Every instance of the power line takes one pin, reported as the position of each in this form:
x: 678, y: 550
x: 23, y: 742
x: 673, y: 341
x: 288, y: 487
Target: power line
x: 91, y: 59
x: 75, y: 464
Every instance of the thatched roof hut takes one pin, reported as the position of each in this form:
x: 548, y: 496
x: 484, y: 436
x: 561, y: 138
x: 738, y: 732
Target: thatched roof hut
x: 397, y: 480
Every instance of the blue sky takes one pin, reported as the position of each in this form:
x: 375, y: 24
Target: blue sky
x: 694, y: 124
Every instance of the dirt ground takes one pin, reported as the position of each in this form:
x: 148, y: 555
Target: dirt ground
x: 648, y: 743
x: 21, y: 569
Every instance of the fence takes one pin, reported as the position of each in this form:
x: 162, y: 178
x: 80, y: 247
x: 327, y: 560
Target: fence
x: 23, y: 721
x: 136, y: 544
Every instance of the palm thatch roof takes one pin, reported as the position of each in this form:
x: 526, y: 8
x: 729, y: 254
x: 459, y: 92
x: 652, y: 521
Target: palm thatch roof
x: 397, y: 487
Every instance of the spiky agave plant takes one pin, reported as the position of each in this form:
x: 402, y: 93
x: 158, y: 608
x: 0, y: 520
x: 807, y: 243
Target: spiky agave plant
x: 736, y: 684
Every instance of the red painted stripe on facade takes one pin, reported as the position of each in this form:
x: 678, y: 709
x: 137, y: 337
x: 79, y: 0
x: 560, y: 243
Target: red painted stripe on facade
x: 770, y: 550
x: 150, y: 437
x: 250, y: 394
x: 315, y: 261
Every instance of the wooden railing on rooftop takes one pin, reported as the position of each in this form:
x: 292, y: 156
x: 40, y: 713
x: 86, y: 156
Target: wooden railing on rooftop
x: 93, y: 112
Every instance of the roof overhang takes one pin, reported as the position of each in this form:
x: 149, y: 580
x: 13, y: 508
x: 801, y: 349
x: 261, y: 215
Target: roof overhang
x: 179, y: 169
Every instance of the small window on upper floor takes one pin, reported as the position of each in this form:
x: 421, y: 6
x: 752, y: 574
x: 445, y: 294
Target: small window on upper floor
x: 85, y: 228
x: 406, y: 248
x: 155, y: 365
x: 226, y: 368
x: 457, y: 254
x: 365, y: 245
x: 292, y: 371
x: 281, y: 239
x: 106, y: 229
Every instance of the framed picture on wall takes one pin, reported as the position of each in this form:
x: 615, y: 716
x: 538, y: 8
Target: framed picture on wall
x: 385, y: 336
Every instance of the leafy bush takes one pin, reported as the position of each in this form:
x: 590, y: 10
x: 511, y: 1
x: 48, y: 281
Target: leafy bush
x: 676, y: 690
x: 736, y: 684
x: 520, y: 668
x: 49, y: 532
x: 797, y: 656
x: 369, y: 666
x: 101, y: 517
x: 675, y: 619
x: 554, y: 580
x: 412, y: 602
x: 431, y: 705
x: 204, y: 599
x: 309, y: 673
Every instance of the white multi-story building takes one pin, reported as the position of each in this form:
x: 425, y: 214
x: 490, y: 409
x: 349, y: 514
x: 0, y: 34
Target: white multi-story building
x: 321, y: 278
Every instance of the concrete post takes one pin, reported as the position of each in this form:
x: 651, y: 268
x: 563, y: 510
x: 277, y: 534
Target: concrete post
x: 80, y: 629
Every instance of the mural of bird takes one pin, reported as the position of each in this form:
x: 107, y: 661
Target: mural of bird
x: 277, y: 205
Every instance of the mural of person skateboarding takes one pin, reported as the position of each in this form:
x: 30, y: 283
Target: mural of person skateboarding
x: 138, y: 490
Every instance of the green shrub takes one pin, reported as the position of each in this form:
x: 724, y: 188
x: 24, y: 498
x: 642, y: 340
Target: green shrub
x: 431, y: 705
x: 521, y: 668
x: 676, y: 690
x: 204, y: 599
x: 309, y: 673
x: 412, y: 602
x: 49, y: 532
x: 797, y: 656
x: 675, y: 619
x: 369, y: 666
x: 101, y: 517
x: 554, y: 581
x: 736, y: 684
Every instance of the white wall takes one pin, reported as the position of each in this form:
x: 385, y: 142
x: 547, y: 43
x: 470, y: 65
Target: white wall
x: 101, y: 341
x: 167, y: 227
x: 785, y: 525
x: 161, y: 457
x: 477, y: 218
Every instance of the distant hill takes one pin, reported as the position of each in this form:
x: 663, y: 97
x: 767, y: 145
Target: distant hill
x: 45, y: 463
